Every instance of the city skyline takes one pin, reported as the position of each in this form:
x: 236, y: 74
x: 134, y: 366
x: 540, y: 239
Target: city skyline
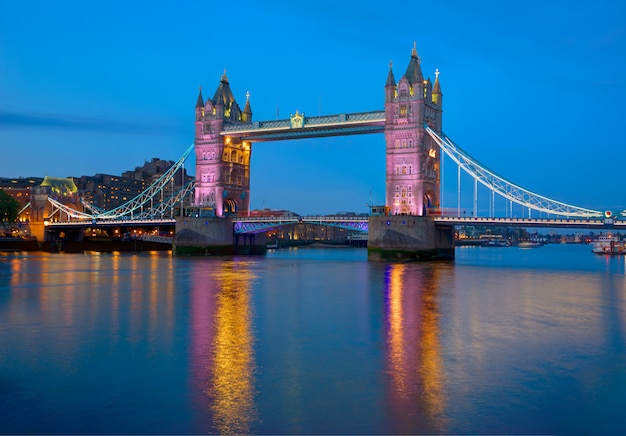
x: 90, y: 89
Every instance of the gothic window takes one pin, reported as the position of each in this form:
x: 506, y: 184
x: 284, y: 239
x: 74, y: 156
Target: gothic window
x: 397, y: 188
x: 404, y: 143
x: 411, y: 169
x: 205, y: 178
x: 403, y: 109
x: 410, y: 143
x: 403, y: 169
x: 410, y: 187
x: 403, y: 93
x: 397, y: 143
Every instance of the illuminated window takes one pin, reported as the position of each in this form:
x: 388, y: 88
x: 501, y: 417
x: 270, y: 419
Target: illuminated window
x: 402, y: 109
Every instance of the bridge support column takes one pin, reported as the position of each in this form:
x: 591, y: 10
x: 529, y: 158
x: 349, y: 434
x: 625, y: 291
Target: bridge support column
x: 407, y: 237
x: 213, y: 236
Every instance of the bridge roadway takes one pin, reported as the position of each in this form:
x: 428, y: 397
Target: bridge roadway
x: 247, y: 225
x: 260, y: 224
x: 77, y: 224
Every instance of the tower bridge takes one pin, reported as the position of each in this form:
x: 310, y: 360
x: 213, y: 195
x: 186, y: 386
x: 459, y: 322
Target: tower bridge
x: 416, y: 147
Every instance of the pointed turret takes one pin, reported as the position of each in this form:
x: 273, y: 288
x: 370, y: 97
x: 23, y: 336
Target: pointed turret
x: 223, y: 94
x: 414, y: 72
x: 200, y: 102
x: 390, y: 86
x: 247, y: 111
x: 391, y: 81
x: 437, y: 94
x: 199, y: 107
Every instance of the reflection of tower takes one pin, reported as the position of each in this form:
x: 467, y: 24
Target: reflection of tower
x: 412, y: 156
x: 222, y: 162
x: 223, y: 359
x: 413, y: 349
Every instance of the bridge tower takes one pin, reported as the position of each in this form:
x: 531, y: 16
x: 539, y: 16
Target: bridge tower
x: 413, y: 163
x: 222, y: 163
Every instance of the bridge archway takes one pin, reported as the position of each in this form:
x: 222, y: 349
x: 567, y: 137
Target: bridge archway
x: 230, y: 206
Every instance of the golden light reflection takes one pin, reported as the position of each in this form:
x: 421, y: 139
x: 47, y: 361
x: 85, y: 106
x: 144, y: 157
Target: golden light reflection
x: 397, y: 358
x: 224, y: 326
x: 414, y: 352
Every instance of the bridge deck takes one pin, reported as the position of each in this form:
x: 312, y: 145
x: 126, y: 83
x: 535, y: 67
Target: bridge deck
x: 312, y: 127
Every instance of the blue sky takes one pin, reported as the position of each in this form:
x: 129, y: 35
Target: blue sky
x: 534, y: 90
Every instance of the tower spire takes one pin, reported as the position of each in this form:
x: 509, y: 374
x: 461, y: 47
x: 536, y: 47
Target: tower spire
x: 391, y: 81
x: 437, y: 94
x: 414, y: 71
x: 200, y: 101
x: 247, y: 110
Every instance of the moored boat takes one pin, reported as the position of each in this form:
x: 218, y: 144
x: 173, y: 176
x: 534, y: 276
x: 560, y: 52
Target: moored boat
x: 608, y: 244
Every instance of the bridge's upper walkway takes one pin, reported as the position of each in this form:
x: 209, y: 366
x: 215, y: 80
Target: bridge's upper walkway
x: 300, y: 126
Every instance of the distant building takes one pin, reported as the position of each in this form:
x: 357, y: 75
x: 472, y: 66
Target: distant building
x: 20, y: 188
x: 106, y: 191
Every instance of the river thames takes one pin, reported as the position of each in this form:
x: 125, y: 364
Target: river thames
x: 313, y: 341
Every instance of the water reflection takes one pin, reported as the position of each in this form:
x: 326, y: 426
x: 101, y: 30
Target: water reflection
x: 414, y: 359
x: 223, y: 341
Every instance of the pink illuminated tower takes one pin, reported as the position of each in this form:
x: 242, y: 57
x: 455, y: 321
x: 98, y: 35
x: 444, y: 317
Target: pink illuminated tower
x: 222, y: 163
x: 413, y: 162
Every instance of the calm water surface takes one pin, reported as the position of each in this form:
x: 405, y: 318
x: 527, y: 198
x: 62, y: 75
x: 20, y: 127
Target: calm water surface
x: 502, y: 340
